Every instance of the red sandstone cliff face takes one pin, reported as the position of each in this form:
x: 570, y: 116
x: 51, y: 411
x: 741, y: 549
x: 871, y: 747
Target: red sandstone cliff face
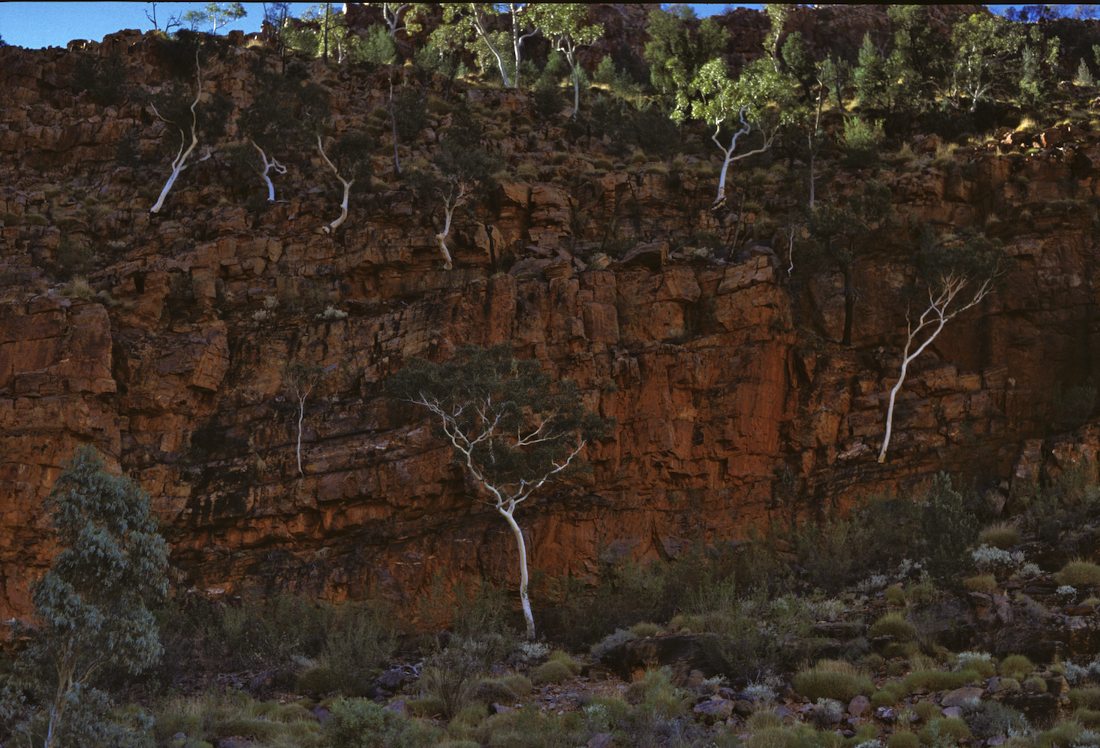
x: 718, y: 372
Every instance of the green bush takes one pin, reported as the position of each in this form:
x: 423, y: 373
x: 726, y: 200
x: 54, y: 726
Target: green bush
x: 1000, y: 535
x: 553, y: 671
x: 358, y: 723
x: 938, y: 680
x: 1079, y: 573
x: 1087, y: 697
x: 655, y: 695
x: 992, y: 719
x: 945, y: 731
x: 862, y: 140
x: 1016, y: 666
x: 893, y: 625
x: 903, y: 740
x: 832, y: 679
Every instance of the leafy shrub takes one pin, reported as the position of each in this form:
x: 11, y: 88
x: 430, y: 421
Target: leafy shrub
x: 832, y: 679
x: 655, y: 695
x: 1079, y: 573
x: 862, y: 140
x: 451, y: 675
x: 980, y: 662
x: 992, y: 719
x: 358, y: 723
x: 103, y: 80
x: 1035, y: 684
x: 1016, y: 666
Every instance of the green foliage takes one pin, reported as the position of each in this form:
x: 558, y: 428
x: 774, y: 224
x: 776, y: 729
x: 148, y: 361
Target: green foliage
x: 546, y: 99
x: 495, y: 395
x: 1038, y: 67
x: 832, y: 679
x: 869, y: 75
x: 676, y: 51
x: 949, y: 524
x: 903, y: 740
x: 1079, y: 573
x: 376, y: 47
x: 983, y: 44
x: 893, y: 625
x: 552, y: 671
x: 1087, y: 697
x: 1016, y: 666
x: 945, y: 731
x: 1000, y: 535
x: 358, y: 723
x: 92, y: 606
x: 862, y: 140
x: 216, y: 15
x: 410, y: 112
x: 351, y: 153
x: 971, y: 256
x: 991, y: 719
x: 938, y: 680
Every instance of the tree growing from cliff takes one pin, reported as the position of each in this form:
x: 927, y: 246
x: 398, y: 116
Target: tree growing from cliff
x: 92, y: 605
x: 512, y: 428
x: 300, y: 379
x: 470, y: 26
x: 955, y: 278
x: 347, y: 156
x: 187, y: 122
x: 984, y: 43
x: 460, y: 169
x: 760, y: 100
x: 564, y: 24
x: 268, y: 126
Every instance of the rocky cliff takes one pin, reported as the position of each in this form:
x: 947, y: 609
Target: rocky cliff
x: 724, y: 376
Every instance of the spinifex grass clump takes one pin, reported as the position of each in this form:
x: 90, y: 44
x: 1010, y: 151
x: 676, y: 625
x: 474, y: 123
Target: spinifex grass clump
x: 832, y: 679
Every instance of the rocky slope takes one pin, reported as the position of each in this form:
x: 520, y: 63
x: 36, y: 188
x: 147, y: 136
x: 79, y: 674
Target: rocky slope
x: 724, y: 377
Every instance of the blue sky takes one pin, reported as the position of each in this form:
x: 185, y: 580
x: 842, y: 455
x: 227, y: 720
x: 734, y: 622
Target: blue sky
x: 43, y: 24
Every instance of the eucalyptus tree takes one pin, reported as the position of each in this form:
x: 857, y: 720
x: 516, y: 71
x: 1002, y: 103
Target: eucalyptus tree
x: 954, y: 279
x: 471, y: 26
x: 760, y: 100
x: 512, y: 428
x: 92, y: 608
x: 565, y: 25
x: 984, y: 43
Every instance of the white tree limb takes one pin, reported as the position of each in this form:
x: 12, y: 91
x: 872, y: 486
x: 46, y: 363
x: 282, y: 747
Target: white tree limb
x: 502, y: 499
x: 931, y: 322
x: 179, y: 163
x: 483, y: 32
x: 269, y: 165
x: 728, y: 151
x: 347, y: 183
x: 454, y: 197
